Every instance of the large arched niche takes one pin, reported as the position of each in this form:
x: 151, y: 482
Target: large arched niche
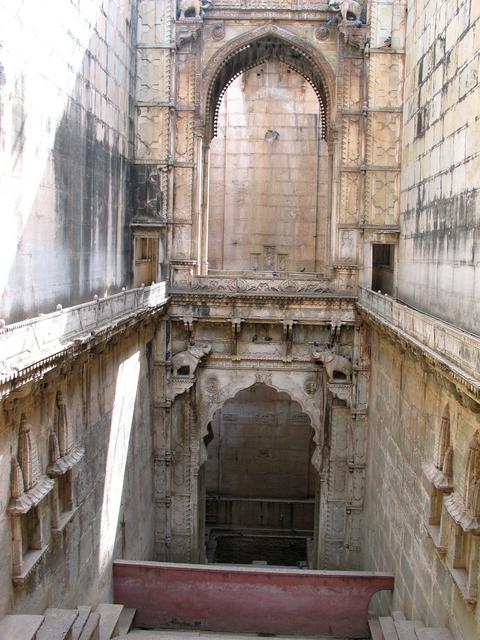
x: 216, y: 387
x: 270, y: 242
x: 255, y: 47
x: 259, y: 480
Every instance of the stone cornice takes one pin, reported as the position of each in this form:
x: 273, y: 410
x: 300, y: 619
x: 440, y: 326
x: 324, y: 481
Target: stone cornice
x: 451, y: 352
x: 255, y: 297
x: 32, y: 348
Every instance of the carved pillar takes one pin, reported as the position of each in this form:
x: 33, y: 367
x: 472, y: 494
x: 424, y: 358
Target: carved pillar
x: 162, y: 444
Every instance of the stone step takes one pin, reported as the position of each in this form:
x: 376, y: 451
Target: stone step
x: 81, y: 621
x: 406, y: 629
x: 57, y: 624
x: 431, y: 633
x: 388, y: 628
x: 137, y: 634
x: 375, y: 629
x: 91, y: 630
x: 398, y: 615
x: 20, y: 627
x: 109, y: 615
x: 125, y: 621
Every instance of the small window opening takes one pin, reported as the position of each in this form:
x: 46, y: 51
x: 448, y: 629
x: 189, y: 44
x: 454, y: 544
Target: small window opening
x: 382, y: 268
x: 183, y: 371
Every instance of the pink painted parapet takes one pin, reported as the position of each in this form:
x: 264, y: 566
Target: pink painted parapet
x: 243, y: 599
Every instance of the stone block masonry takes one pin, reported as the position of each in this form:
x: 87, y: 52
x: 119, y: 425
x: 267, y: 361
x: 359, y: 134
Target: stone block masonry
x: 65, y: 138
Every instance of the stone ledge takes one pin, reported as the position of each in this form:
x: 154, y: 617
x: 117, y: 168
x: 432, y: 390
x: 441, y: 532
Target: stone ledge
x: 65, y: 518
x: 32, y: 347
x: 30, y: 561
x: 456, y: 352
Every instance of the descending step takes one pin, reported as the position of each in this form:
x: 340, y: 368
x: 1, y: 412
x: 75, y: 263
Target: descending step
x: 406, y: 629
x: 137, y: 634
x: 388, y: 628
x: 86, y: 626
x: 57, y: 624
x: 20, y: 627
x: 91, y: 630
x: 431, y: 633
x: 125, y: 621
x: 81, y: 621
x: 375, y: 629
x: 109, y: 616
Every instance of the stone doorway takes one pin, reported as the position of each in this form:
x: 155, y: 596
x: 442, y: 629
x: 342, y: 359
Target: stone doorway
x: 258, y: 485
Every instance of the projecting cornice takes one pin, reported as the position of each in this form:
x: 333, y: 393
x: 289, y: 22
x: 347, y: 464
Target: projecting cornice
x: 34, y: 347
x: 453, y: 353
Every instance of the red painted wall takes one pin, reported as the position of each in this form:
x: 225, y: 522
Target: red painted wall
x: 244, y: 599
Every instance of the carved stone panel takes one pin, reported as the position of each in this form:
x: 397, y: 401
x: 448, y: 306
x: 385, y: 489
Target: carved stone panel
x: 184, y: 140
x: 186, y: 81
x: 352, y: 83
x: 183, y: 194
x: 152, y: 133
x: 336, y: 521
x: 383, y: 147
x: 352, y: 141
x: 182, y: 241
x: 350, y: 203
x: 385, y: 81
x: 155, y: 21
x: 153, y: 75
x: 347, y: 246
x: 382, y: 199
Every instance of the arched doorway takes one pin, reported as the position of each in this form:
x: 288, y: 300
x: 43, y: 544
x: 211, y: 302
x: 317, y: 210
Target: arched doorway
x: 258, y: 485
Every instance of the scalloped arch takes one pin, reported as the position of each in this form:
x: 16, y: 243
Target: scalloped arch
x: 245, y: 52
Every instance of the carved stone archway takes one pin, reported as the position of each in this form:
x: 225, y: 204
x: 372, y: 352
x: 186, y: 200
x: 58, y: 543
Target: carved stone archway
x: 215, y: 387
x: 231, y: 60
x: 267, y: 42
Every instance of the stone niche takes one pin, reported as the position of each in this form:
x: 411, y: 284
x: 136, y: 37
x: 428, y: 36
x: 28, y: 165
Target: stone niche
x: 268, y: 173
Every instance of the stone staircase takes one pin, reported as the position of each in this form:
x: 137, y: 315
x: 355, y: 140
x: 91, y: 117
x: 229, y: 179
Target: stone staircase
x: 105, y: 622
x: 397, y: 628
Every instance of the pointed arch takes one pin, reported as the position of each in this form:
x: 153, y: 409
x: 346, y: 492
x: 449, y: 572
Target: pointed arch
x: 255, y: 47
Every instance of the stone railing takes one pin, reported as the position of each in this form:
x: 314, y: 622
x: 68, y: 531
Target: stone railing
x: 36, y: 341
x: 457, y: 349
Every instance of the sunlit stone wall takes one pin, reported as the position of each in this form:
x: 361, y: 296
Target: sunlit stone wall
x: 65, y: 76
x: 268, y: 177
x: 439, y: 269
x: 407, y: 405
x: 108, y: 412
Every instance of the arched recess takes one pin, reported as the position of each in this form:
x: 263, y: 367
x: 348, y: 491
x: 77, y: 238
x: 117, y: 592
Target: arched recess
x: 216, y: 387
x: 255, y: 47
x: 266, y: 43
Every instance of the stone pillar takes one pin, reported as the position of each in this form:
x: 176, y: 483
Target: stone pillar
x: 162, y: 445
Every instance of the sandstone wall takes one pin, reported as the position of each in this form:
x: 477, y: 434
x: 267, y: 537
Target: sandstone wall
x: 407, y: 403
x: 108, y: 408
x: 439, y: 263
x: 265, y: 192
x: 66, y: 75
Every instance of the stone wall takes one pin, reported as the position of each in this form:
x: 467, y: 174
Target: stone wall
x: 439, y: 262
x: 66, y: 76
x: 107, y: 404
x: 407, y: 404
x: 267, y: 175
